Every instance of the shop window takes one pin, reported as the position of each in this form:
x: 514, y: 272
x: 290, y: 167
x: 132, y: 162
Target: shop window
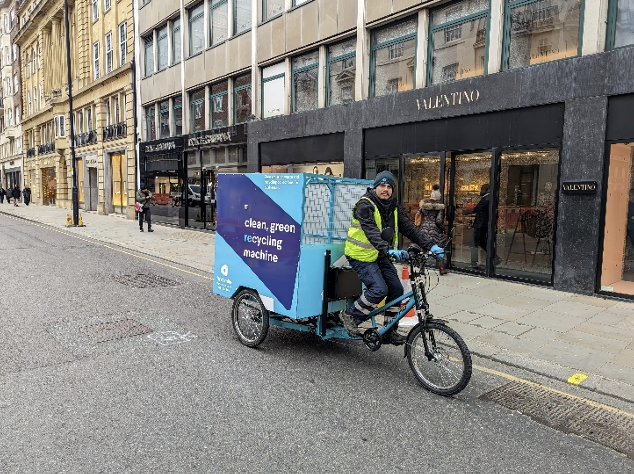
x: 272, y: 8
x: 341, y: 72
x: 164, y: 118
x: 197, y: 110
x: 219, y: 101
x: 242, y: 16
x: 196, y: 29
x: 457, y: 41
x: 219, y: 22
x: 304, y: 85
x: 178, y: 116
x: 393, y: 57
x: 617, y: 270
x: 176, y: 41
x: 242, y: 98
x: 273, y: 90
x: 331, y: 168
x: 620, y: 23
x: 162, y: 46
x: 148, y: 42
x: 533, y: 24
x: 150, y: 123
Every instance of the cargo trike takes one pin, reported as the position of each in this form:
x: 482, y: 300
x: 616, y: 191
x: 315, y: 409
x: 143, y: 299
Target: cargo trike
x: 279, y: 254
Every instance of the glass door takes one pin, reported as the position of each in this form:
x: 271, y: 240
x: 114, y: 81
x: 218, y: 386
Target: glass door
x: 617, y: 267
x: 468, y: 196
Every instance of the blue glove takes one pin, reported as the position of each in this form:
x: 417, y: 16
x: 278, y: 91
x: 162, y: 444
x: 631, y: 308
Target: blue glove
x: 398, y: 255
x: 438, y: 251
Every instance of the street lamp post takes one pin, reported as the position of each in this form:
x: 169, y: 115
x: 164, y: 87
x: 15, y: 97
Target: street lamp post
x: 75, y: 195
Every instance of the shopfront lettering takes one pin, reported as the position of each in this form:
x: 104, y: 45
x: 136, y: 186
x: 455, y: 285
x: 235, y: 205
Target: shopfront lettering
x: 164, y: 146
x: 579, y: 187
x: 209, y: 139
x: 449, y: 100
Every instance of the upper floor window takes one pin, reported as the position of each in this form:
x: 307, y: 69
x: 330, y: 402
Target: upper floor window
x: 150, y: 123
x: 15, y: 51
x: 273, y: 90
x: 60, y: 126
x: 177, y: 116
x: 197, y: 110
x: 164, y: 119
x: 33, y: 64
x: 95, y: 10
x: 196, y: 29
x: 620, y: 23
x: 299, y: 2
x: 272, y: 8
x: 393, y: 57
x: 457, y: 41
x: 219, y: 22
x: 242, y: 98
x: 341, y: 72
x: 95, y: 59
x: 123, y: 43
x: 241, y: 16
x: 107, y: 4
x: 28, y: 66
x: 148, y: 55
x: 304, y: 84
x: 529, y: 22
x: 161, y: 45
x: 145, y: 2
x: 219, y: 105
x: 109, y: 53
x: 15, y: 83
x: 176, y: 41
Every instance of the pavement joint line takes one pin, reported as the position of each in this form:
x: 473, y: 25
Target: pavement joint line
x: 554, y: 390
x: 108, y: 246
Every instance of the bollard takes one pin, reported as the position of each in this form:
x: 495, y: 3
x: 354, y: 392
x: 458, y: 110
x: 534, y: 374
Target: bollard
x: 69, y: 220
x: 80, y: 222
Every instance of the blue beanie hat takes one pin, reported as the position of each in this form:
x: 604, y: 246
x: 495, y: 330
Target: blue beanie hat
x: 385, y: 177
x: 142, y: 184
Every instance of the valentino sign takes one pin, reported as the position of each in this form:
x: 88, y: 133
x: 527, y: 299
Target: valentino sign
x: 448, y: 100
x: 579, y: 187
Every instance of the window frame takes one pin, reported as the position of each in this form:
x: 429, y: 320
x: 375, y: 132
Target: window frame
x: 191, y: 18
x: 509, y: 5
x: 176, y: 32
x: 192, y: 103
x: 235, y: 17
x: 107, y: 5
x: 215, y: 5
x: 160, y: 114
x: 176, y: 107
x: 275, y: 77
x: 96, y: 53
x: 610, y: 40
x: 386, y: 44
x: 336, y: 59
x: 452, y: 24
x: 148, y: 43
x: 300, y: 70
x: 123, y: 43
x: 109, y: 53
x: 212, y: 98
x: 240, y: 89
x: 95, y: 10
x: 148, y: 109
x: 264, y: 17
x: 165, y: 37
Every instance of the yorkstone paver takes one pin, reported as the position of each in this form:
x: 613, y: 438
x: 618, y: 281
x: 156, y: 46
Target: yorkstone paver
x: 574, y: 308
x: 487, y: 322
x: 543, y: 294
x: 467, y: 331
x: 496, y: 293
x: 523, y: 302
x: 540, y: 335
x: 553, y: 321
x: 513, y: 329
x: 603, y: 330
x: 624, y: 358
x: 501, y: 311
x: 506, y: 341
x: 618, y: 372
x: 464, y: 301
x: 625, y: 309
x: 606, y: 319
x: 572, y: 355
x: 464, y: 316
x: 593, y: 341
x: 593, y: 301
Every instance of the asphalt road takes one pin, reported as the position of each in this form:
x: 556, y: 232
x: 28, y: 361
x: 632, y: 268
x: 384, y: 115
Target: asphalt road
x: 188, y: 397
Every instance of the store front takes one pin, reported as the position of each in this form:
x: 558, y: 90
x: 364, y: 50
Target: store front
x: 118, y: 182
x: 49, y: 186
x: 87, y: 181
x: 161, y: 168
x: 515, y: 153
x: 617, y: 257
x: 13, y: 176
x: 209, y: 153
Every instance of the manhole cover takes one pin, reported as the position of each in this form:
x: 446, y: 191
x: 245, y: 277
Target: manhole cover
x: 610, y: 428
x: 143, y: 280
x: 103, y: 332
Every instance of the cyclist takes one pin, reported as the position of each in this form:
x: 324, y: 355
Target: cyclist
x: 372, y: 241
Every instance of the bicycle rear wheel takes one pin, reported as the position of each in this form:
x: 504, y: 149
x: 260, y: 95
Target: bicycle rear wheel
x: 447, y: 369
x: 250, y: 318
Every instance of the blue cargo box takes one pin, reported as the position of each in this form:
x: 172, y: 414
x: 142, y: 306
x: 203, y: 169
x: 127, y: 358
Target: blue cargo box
x: 273, y: 232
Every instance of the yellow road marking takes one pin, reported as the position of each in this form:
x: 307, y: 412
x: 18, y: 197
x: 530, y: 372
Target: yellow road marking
x: 559, y: 392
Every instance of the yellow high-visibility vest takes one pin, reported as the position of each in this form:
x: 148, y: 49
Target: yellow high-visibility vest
x: 357, y: 244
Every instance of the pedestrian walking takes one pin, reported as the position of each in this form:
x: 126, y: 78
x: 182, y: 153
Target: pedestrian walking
x: 26, y: 193
x: 16, y: 194
x: 3, y: 193
x: 144, y: 198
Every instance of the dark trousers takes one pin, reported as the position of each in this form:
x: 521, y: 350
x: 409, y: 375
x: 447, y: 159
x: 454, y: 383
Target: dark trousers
x: 147, y: 213
x: 381, y: 281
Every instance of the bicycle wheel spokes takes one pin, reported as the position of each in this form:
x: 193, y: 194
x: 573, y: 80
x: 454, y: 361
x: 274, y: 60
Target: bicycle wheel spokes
x: 250, y: 318
x: 446, y: 368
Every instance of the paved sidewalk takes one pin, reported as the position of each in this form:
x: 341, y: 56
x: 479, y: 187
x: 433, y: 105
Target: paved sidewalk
x: 546, y: 331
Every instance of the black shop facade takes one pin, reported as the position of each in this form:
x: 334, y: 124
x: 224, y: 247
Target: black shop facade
x: 552, y: 152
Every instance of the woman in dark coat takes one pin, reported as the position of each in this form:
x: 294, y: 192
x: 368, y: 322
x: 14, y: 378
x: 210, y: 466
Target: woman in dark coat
x: 433, y: 214
x: 16, y: 194
x: 26, y: 192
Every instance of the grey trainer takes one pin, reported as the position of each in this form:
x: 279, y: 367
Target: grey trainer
x: 394, y: 337
x: 349, y: 323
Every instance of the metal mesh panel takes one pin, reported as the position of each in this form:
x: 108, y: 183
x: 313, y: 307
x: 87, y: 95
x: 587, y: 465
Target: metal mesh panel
x: 327, y: 208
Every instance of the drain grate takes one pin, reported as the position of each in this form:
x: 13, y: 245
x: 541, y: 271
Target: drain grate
x: 110, y: 331
x: 613, y: 429
x: 143, y: 280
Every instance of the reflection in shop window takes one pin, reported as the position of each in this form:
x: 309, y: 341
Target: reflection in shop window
x: 242, y: 98
x: 457, y: 41
x: 341, y: 72
x: 219, y: 104
x: 305, y: 82
x: 197, y: 110
x: 536, y: 24
x: 393, y: 57
x: 333, y: 168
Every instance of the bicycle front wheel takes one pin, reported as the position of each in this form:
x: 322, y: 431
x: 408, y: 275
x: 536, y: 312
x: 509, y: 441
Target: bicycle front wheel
x: 250, y: 318
x: 446, y: 369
